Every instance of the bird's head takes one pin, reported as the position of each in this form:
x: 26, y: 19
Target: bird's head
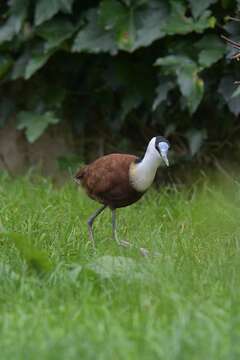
x: 162, y: 146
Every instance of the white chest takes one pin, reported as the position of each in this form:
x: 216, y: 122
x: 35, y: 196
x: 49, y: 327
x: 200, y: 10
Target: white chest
x: 142, y: 175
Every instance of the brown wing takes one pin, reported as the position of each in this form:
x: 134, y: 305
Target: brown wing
x: 107, y: 180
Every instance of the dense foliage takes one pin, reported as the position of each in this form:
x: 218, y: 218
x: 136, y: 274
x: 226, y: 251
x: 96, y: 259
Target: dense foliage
x: 120, y: 67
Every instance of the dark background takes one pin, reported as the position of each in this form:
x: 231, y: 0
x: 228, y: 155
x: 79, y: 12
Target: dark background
x: 79, y: 79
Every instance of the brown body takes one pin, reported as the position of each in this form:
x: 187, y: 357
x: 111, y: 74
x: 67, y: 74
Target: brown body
x: 106, y: 180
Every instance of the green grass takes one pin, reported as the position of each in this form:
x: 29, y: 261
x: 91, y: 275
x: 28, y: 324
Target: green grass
x: 182, y: 302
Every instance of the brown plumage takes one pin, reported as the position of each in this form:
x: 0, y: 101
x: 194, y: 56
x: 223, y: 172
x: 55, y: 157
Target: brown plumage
x: 106, y: 180
x: 119, y: 180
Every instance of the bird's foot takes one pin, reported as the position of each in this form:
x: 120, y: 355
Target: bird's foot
x: 124, y: 243
x: 144, y: 252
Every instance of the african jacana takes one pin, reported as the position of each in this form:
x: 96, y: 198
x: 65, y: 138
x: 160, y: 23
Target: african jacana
x: 119, y: 180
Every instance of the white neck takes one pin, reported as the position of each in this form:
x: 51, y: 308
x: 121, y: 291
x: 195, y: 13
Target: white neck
x: 143, y: 173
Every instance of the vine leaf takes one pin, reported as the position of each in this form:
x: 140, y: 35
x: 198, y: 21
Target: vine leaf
x: 93, y: 38
x: 35, y: 63
x: 117, y: 27
x: 165, y: 85
x: 191, y: 86
x: 36, y: 259
x: 54, y: 32
x: 236, y: 92
x: 35, y: 124
x: 6, y: 63
x: 134, y: 26
x: 179, y: 23
x: 13, y: 24
x: 186, y: 71
x: 226, y: 89
x: 28, y: 64
x: 198, y: 7
x: 211, y: 50
x: 149, y: 22
x: 195, y: 138
x: 46, y: 9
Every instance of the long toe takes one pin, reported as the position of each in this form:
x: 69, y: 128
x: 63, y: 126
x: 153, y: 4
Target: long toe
x: 124, y: 243
x: 144, y: 252
x: 91, y: 238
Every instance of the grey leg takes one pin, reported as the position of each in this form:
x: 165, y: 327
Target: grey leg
x: 91, y: 221
x: 114, y: 231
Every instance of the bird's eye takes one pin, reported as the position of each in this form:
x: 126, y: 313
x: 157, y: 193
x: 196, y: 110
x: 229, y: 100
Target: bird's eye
x: 163, y: 146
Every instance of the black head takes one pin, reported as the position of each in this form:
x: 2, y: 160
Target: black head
x: 160, y: 139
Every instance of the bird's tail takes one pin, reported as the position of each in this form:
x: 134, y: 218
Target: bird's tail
x: 79, y: 175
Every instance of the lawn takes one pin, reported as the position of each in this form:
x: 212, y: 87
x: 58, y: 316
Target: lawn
x: 60, y: 300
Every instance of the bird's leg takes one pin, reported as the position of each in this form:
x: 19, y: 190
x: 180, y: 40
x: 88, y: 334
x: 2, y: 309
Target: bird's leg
x: 114, y: 231
x: 91, y: 221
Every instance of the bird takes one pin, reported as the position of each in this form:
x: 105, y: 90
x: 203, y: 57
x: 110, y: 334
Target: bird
x: 119, y: 180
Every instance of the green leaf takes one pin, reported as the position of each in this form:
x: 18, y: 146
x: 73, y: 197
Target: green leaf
x: 191, y: 86
x: 19, y: 67
x: 110, y: 267
x: 186, y: 70
x: 171, y: 62
x: 236, y: 92
x: 6, y: 63
x: 149, y: 23
x: 226, y: 89
x: 35, y: 63
x: 55, y: 32
x: 111, y: 14
x: 130, y: 101
x: 93, y: 38
x: 46, y: 9
x: 30, y: 62
x: 134, y: 27
x: 165, y: 85
x: 19, y: 7
x: 34, y: 123
x: 179, y: 23
x: 35, y: 258
x: 12, y: 26
x: 116, y: 17
x: 211, y: 50
x: 116, y: 26
x: 135, y: 3
x: 198, y: 7
x: 195, y: 139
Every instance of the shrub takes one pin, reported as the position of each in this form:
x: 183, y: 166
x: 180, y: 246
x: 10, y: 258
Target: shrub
x: 120, y: 67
